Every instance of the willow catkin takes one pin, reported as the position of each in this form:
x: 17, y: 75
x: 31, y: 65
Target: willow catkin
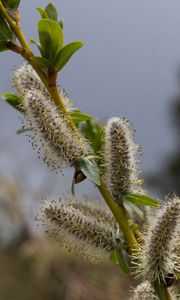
x: 81, y: 229
x: 119, y: 156
x: 144, y: 291
x: 58, y: 145
x: 158, y: 260
x: 25, y: 79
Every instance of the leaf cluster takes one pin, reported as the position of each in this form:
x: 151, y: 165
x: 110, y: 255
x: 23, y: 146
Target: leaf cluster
x: 54, y: 54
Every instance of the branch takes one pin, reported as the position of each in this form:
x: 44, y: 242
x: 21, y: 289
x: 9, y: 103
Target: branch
x: 119, y: 214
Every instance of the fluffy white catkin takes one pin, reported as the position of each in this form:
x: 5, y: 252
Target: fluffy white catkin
x: 25, y: 79
x: 120, y: 162
x: 145, y: 291
x: 58, y: 145
x: 82, y: 229
x: 158, y: 259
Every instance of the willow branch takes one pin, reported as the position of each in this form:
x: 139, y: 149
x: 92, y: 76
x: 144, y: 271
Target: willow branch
x: 119, y: 214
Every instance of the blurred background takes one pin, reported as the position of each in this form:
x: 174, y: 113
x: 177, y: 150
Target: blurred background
x: 129, y: 67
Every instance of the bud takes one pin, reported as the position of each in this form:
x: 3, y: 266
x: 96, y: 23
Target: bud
x: 58, y: 145
x: 81, y: 228
x: 159, y: 261
x: 120, y: 158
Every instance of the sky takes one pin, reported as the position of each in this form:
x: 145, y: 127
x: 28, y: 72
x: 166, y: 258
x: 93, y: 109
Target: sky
x: 127, y: 68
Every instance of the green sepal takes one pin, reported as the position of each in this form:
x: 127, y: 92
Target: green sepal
x: 41, y: 61
x: 141, y: 200
x: 51, y: 39
x: 93, y: 132
x: 13, y: 100
x: 42, y: 12
x: 118, y: 257
x: 51, y: 12
x: 90, y: 169
x: 65, y: 54
x: 78, y: 116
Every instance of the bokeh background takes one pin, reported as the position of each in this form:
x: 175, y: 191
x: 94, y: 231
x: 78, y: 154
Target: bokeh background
x: 129, y: 67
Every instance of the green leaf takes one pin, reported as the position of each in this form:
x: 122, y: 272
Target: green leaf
x: 51, y: 12
x: 5, y: 31
x: 13, y: 100
x: 141, y: 199
x: 42, y: 12
x: 13, y: 4
x: 78, y: 116
x: 5, y: 34
x: 93, y: 132
x: 118, y: 258
x: 51, y: 38
x: 22, y: 130
x: 41, y: 61
x: 90, y: 170
x: 160, y: 289
x: 65, y: 54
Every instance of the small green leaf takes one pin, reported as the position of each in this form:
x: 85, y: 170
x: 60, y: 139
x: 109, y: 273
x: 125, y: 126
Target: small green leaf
x: 51, y: 12
x: 41, y: 61
x: 118, y: 258
x: 78, y: 116
x: 90, y: 170
x: 65, y: 54
x: 5, y: 31
x: 13, y: 100
x: 42, y: 12
x: 51, y: 38
x: 22, y: 130
x: 160, y: 289
x: 93, y: 132
x: 6, y: 34
x: 141, y: 199
x: 11, y: 4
